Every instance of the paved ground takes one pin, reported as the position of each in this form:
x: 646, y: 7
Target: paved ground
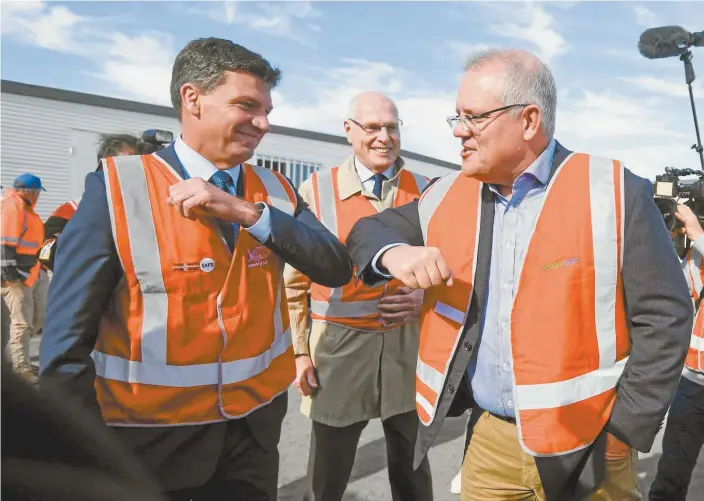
x: 369, y: 477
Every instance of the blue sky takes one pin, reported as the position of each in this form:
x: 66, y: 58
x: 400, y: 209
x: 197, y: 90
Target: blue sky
x: 612, y: 101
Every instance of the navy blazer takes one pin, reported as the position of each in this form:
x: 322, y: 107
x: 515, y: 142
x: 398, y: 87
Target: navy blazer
x: 87, y: 271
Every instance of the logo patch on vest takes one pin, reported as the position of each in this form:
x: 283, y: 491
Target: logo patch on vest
x: 560, y: 263
x: 257, y: 256
x: 207, y: 265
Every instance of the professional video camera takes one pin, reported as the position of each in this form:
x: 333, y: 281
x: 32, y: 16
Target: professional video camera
x: 160, y: 138
x: 669, y: 190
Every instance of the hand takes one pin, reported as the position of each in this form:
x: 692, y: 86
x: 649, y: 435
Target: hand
x: 417, y: 267
x: 195, y: 198
x: 400, y: 307
x: 689, y: 219
x: 305, y: 375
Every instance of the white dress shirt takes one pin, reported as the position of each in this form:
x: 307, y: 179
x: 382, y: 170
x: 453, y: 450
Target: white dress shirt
x: 367, y: 176
x: 196, y: 165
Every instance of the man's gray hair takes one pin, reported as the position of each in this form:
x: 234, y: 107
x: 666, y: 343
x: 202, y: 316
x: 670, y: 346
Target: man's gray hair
x: 527, y: 80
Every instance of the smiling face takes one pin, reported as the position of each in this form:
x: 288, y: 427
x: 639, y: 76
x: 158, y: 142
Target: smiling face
x: 491, y: 146
x: 373, y: 130
x: 226, y: 124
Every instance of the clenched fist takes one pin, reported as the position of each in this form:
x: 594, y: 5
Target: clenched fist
x: 195, y: 197
x: 417, y: 267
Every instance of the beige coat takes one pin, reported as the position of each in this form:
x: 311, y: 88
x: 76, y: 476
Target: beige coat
x: 361, y: 375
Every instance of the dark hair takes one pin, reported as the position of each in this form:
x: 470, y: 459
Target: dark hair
x: 204, y: 61
x: 111, y: 145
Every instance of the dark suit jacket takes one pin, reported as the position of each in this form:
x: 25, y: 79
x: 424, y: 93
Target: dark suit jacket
x: 87, y: 270
x: 659, y: 312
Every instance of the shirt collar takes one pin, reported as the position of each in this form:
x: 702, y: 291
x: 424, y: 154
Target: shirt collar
x: 365, y: 174
x: 196, y: 165
x: 538, y: 170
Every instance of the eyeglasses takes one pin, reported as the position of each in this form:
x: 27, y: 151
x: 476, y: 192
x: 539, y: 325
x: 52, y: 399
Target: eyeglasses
x: 468, y: 121
x: 391, y: 129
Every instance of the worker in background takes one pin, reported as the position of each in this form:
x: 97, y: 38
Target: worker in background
x: 167, y: 310
x: 359, y: 363
x: 684, y: 431
x: 562, y: 379
x: 24, y: 282
x: 110, y: 145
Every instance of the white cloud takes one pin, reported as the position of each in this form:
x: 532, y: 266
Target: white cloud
x: 422, y: 108
x: 665, y: 87
x: 137, y: 67
x: 633, y: 130
x: 537, y: 29
x: 461, y: 50
x: 645, y: 17
x: 290, y: 20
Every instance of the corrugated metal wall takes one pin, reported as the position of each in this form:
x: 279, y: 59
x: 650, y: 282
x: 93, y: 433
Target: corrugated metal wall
x: 56, y: 141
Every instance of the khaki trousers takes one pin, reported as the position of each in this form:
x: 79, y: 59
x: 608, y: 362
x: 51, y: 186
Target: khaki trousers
x: 495, y: 468
x: 26, y: 306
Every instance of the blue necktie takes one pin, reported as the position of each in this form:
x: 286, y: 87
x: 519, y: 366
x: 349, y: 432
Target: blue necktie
x: 378, y: 180
x: 223, y: 180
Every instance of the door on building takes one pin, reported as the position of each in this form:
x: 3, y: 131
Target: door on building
x: 84, y: 150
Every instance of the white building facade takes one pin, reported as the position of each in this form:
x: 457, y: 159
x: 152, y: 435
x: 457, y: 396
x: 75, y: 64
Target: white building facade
x: 53, y: 134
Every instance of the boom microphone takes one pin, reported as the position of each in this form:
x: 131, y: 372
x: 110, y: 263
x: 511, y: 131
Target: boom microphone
x: 668, y: 41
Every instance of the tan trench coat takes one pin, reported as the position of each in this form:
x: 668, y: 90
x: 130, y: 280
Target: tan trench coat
x: 361, y: 375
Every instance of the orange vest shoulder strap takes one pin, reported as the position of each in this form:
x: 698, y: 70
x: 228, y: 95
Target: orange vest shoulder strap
x: 280, y: 192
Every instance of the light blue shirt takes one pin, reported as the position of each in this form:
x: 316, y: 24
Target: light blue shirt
x: 197, y: 165
x: 490, y: 375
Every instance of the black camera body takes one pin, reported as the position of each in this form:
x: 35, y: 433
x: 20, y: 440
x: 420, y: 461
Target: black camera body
x: 669, y: 191
x: 158, y: 137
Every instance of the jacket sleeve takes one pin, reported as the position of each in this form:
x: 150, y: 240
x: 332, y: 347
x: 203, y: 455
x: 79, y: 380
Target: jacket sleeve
x: 399, y: 225
x: 86, y: 272
x: 304, y: 243
x: 12, y: 223
x: 660, y: 313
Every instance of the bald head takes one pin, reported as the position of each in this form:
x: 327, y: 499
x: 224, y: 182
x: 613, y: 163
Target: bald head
x: 372, y: 128
x: 524, y: 79
x: 362, y: 102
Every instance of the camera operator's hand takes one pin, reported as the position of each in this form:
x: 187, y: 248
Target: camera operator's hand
x: 689, y: 219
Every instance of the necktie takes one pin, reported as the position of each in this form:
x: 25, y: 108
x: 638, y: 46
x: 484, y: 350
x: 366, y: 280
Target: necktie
x: 378, y: 180
x: 223, y: 180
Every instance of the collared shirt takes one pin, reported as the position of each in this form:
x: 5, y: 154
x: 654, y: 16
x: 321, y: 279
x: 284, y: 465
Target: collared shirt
x: 366, y: 176
x: 490, y: 375
x: 196, y: 165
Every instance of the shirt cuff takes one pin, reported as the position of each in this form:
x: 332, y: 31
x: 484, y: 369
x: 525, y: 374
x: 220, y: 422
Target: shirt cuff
x: 261, y: 230
x: 378, y: 255
x: 699, y: 244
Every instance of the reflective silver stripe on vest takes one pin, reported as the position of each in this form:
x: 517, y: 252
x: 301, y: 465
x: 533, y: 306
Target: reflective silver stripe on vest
x: 431, y: 200
x: 695, y: 342
x: 693, y: 263
x: 431, y: 377
x: 152, y: 369
x: 339, y: 309
x: 328, y: 213
x: 606, y: 252
x: 275, y: 189
x: 421, y: 181
x: 145, y: 255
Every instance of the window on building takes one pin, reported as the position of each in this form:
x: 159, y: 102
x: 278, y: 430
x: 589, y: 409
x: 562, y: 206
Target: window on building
x: 296, y: 170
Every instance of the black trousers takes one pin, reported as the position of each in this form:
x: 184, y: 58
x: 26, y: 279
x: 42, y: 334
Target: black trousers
x: 332, y: 453
x: 214, y: 462
x: 682, y: 442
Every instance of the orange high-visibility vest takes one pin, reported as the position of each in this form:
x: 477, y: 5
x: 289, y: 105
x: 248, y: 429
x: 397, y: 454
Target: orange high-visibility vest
x: 354, y: 305
x: 193, y: 333
x: 695, y: 268
x: 22, y: 228
x: 695, y: 354
x: 568, y: 331
x: 67, y: 210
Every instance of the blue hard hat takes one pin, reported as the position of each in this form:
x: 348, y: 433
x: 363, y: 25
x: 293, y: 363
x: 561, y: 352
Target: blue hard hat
x: 28, y: 182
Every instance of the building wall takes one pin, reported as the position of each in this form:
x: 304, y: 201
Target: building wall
x: 57, y: 141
